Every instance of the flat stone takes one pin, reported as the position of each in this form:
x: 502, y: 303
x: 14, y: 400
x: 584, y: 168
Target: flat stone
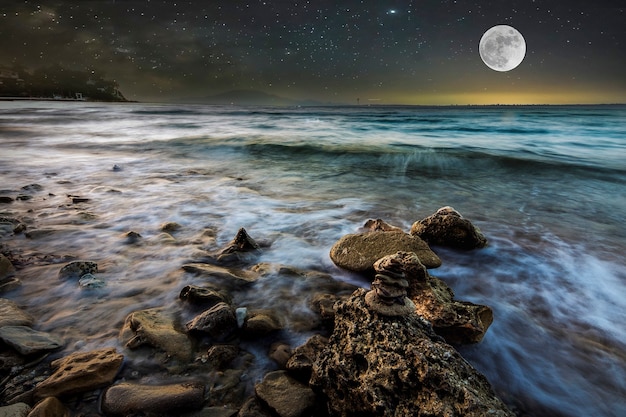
x: 154, y: 327
x: 81, y: 371
x: 285, y: 395
x: 129, y: 399
x: 358, y: 252
x: 12, y: 315
x: 28, y: 341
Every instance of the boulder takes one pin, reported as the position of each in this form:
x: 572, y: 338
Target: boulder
x: 239, y: 249
x: 157, y: 328
x: 221, y: 356
x: 49, y: 407
x: 379, y: 225
x: 138, y: 399
x: 300, y: 364
x: 227, y: 278
x: 12, y: 315
x: 79, y: 372
x: 448, y: 228
x: 260, y: 323
x: 205, y: 296
x: 7, y: 270
x: 285, y: 395
x: 218, y: 322
x: 280, y: 352
x: 28, y: 341
x: 397, y: 366
x: 459, y: 322
x: 358, y: 252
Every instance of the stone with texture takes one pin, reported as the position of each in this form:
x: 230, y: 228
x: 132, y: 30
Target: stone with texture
x: 15, y: 410
x: 7, y: 270
x: 448, y: 228
x: 28, y: 341
x: 206, y: 296
x: 285, y: 395
x: 377, y: 365
x: 77, y: 269
x: 379, y: 225
x: 218, y: 322
x: 79, y: 372
x: 12, y: 315
x: 358, y: 252
x: 301, y: 361
x: 260, y: 323
x: 155, y: 327
x: 126, y: 399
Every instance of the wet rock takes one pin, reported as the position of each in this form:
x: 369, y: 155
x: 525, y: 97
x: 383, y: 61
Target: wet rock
x: 91, y: 281
x: 300, y: 364
x: 280, y: 352
x: 358, y: 252
x: 261, y: 323
x: 388, y: 295
x: 221, y: 356
x: 12, y: 315
x: 169, y: 227
x: 448, y: 228
x: 394, y: 365
x: 5, y: 199
x: 49, y: 407
x: 238, y: 249
x: 204, y: 296
x: 227, y: 388
x: 227, y: 278
x: 285, y: 395
x: 217, y: 412
x: 15, y: 410
x: 131, y: 237
x: 459, y: 322
x: 39, y: 233
x: 379, y: 225
x: 79, y: 372
x: 254, y: 407
x: 324, y: 304
x: 156, y: 328
x: 218, y: 322
x: 77, y: 269
x: 7, y: 270
x: 28, y: 341
x: 131, y: 399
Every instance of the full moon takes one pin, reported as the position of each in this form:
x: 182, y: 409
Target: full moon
x: 502, y: 48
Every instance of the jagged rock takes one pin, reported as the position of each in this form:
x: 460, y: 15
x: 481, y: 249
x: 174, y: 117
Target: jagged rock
x: 389, y: 290
x: 459, y: 322
x: 237, y: 248
x: 77, y: 269
x: 285, y: 395
x: 358, y: 252
x: 227, y: 278
x: 49, y: 407
x: 131, y: 237
x: 376, y: 365
x: 205, y: 296
x: 15, y: 410
x: 156, y: 328
x: 300, y: 364
x: 170, y: 227
x: 379, y: 225
x: 28, y: 341
x: 131, y: 399
x: 12, y: 315
x: 448, y: 228
x: 219, y: 321
x: 79, y: 372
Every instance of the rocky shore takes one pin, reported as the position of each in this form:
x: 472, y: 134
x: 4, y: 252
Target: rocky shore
x: 383, y: 351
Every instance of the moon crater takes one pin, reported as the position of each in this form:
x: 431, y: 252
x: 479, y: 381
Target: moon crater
x: 502, y: 48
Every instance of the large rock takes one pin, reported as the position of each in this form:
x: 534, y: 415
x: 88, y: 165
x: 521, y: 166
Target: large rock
x: 126, y: 399
x: 459, y: 322
x: 7, y: 270
x: 397, y: 366
x: 49, y: 407
x: 218, y: 322
x: 28, y: 341
x: 156, y: 328
x: 79, y: 372
x: 448, y: 228
x: 358, y: 252
x: 285, y: 395
x: 301, y: 361
x: 77, y: 269
x: 15, y: 410
x: 12, y: 315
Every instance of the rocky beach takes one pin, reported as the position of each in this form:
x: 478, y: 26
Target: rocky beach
x: 384, y: 352
x: 207, y: 260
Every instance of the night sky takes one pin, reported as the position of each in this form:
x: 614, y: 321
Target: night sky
x: 379, y: 51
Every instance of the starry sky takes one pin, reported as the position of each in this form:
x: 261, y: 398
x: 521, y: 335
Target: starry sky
x: 376, y: 51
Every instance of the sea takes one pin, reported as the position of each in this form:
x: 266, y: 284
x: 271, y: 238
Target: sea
x: 545, y: 184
